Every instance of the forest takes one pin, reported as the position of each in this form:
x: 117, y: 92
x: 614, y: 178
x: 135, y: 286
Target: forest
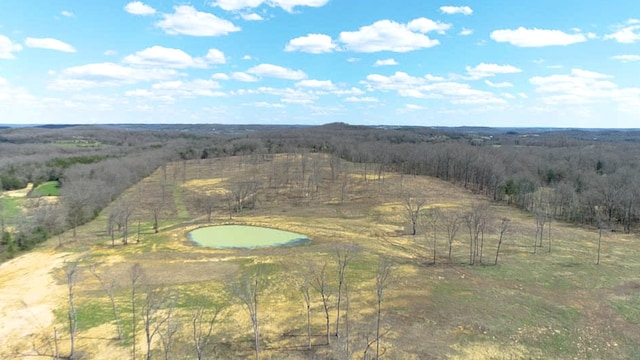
x: 586, y: 177
x: 497, y: 243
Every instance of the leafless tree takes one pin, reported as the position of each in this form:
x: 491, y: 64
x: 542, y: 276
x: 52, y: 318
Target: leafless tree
x: 171, y: 327
x: 244, y: 194
x: 110, y: 288
x: 203, y: 321
x: 452, y: 223
x: 72, y: 316
x: 475, y: 220
x: 383, y: 277
x: 504, y: 226
x: 247, y: 290
x: 321, y: 285
x: 305, y: 285
x: 412, y: 207
x: 135, y: 276
x: 153, y: 316
x: 344, y: 254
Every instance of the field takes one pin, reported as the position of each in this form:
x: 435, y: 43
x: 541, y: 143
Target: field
x: 554, y: 303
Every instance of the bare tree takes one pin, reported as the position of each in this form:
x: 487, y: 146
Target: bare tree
x: 171, y: 327
x: 383, y: 276
x: 344, y: 255
x: 135, y: 276
x: 305, y: 285
x: 504, y: 226
x: 203, y: 321
x: 245, y: 193
x: 432, y: 218
x: 206, y: 203
x: 247, y: 290
x: 412, y: 207
x: 475, y: 220
x: 72, y: 315
x: 452, y: 224
x: 321, y: 285
x: 153, y: 316
x: 110, y: 289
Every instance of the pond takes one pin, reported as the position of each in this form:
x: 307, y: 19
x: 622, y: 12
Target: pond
x: 243, y: 236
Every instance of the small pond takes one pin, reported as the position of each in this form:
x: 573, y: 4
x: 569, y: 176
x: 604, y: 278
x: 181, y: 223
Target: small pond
x: 243, y: 236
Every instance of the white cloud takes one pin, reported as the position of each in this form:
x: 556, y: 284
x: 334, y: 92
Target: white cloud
x: 413, y: 107
x: 247, y: 57
x: 49, y: 44
x: 288, y: 95
x: 387, y: 35
x: 220, y: 76
x: 286, y: 5
x: 215, y: 56
x: 111, y: 52
x: 275, y: 71
x: 107, y: 74
x: 168, y: 91
x: 385, y: 62
x: 138, y: 8
x: 244, y: 77
x: 316, y: 84
x: 366, y: 99
x: 626, y: 58
x: 66, y: 13
x: 627, y: 33
x: 498, y: 85
x: 312, y: 43
x: 251, y: 17
x: 524, y: 37
x: 486, y: 70
x: 159, y: 56
x: 451, y: 10
x: 7, y: 48
x: 264, y: 104
x: 581, y: 87
x: 466, y: 32
x: 186, y: 20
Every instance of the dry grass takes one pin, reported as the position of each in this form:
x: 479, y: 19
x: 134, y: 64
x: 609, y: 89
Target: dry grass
x: 548, y: 305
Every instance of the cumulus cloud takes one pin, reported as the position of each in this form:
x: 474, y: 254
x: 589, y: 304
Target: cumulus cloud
x: 498, y: 85
x: 465, y: 32
x: 581, y: 87
x: 186, y: 20
x: 627, y: 33
x: 626, y: 58
x: 244, y: 77
x: 215, y: 56
x: 451, y: 10
x: 385, y: 62
x: 251, y: 17
x: 312, y: 43
x: 316, y: 84
x: 275, y: 71
x: 139, y: 8
x: 486, y: 70
x: 164, y: 57
x: 363, y: 99
x: 387, y: 35
x: 7, y: 48
x: 107, y: 74
x: 523, y: 37
x: 286, y: 5
x: 66, y: 13
x: 49, y: 44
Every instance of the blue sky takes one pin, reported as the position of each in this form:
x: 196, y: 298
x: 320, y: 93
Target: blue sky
x: 567, y: 63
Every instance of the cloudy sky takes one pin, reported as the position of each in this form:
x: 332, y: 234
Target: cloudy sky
x: 560, y: 63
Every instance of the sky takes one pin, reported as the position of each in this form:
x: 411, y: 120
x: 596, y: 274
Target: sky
x: 500, y: 63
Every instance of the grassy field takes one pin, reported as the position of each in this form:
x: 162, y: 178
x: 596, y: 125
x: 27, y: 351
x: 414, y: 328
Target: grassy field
x: 556, y: 304
x: 49, y: 188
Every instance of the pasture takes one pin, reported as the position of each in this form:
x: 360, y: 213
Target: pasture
x: 534, y: 303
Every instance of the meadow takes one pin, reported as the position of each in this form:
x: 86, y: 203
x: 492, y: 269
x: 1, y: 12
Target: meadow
x: 539, y: 301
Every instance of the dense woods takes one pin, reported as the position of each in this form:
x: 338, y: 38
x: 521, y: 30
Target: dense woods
x: 586, y: 177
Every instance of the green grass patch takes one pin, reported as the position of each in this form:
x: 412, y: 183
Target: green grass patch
x: 181, y: 207
x: 49, y: 188
x: 10, y: 208
x: 628, y: 307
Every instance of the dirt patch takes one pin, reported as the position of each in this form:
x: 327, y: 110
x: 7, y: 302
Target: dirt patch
x: 29, y: 296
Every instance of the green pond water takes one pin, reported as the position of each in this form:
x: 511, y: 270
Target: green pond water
x: 242, y: 236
